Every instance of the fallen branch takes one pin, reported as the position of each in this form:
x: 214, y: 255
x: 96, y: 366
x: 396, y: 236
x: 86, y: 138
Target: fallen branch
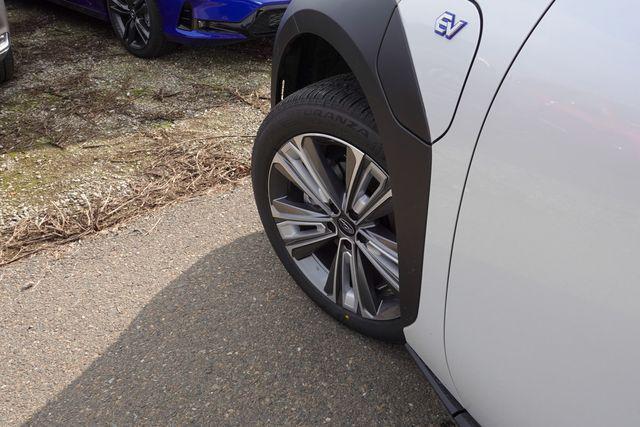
x: 178, y: 170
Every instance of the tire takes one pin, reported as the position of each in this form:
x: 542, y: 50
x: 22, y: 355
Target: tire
x: 337, y: 108
x: 6, y: 67
x: 141, y: 33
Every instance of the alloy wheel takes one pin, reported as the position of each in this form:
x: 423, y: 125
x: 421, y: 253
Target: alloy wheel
x: 132, y: 21
x: 332, y: 205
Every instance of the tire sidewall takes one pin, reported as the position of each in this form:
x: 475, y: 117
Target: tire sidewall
x: 282, y: 124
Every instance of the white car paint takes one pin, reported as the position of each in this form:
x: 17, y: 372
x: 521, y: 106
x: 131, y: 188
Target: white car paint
x: 441, y: 64
x: 542, y: 309
x: 505, y: 27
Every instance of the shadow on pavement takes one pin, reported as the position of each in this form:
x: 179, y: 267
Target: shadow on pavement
x: 234, y: 341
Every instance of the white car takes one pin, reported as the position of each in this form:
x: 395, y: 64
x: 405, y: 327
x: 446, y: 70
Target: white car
x: 465, y: 176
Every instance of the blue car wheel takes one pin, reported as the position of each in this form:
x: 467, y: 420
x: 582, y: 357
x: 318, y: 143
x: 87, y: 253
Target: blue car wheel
x: 138, y: 25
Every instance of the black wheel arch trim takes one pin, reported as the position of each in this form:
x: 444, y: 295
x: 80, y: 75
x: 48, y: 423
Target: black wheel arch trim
x: 399, y: 80
x: 358, y: 38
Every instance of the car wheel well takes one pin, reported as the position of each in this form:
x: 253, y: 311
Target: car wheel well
x: 307, y: 60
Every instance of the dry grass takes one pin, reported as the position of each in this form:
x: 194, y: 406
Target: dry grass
x: 177, y: 170
x: 91, y: 136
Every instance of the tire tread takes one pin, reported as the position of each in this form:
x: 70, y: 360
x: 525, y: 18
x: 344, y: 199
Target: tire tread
x: 341, y: 92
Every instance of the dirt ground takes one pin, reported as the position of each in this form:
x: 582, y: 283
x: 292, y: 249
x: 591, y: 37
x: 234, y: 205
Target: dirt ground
x: 83, y: 118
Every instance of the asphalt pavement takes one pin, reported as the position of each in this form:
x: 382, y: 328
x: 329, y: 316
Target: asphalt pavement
x: 186, y: 316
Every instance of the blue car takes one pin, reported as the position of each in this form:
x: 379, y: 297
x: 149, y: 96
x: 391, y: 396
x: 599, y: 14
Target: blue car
x: 150, y: 28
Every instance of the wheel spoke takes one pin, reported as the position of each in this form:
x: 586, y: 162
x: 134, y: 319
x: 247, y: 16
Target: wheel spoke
x: 369, y: 301
x: 378, y: 208
x: 313, y: 160
x: 382, y: 252
x: 302, y: 239
x: 354, y: 160
x: 341, y: 284
x: 143, y: 11
x: 119, y: 7
x: 129, y: 33
x: 286, y: 209
x: 372, y: 185
x: 332, y: 286
x: 289, y: 163
x: 142, y: 30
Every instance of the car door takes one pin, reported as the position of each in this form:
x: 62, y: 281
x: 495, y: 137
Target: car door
x: 542, y: 311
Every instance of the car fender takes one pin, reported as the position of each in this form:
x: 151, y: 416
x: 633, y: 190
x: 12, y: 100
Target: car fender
x: 358, y: 38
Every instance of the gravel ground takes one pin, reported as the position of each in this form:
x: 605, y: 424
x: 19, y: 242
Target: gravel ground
x: 187, y: 317
x: 79, y: 104
x: 75, y: 83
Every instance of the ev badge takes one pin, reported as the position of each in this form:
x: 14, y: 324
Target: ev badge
x: 446, y: 25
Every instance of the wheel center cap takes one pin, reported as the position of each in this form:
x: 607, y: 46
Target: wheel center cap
x: 346, y: 227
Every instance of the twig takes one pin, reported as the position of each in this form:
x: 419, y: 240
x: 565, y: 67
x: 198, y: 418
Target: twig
x: 191, y: 168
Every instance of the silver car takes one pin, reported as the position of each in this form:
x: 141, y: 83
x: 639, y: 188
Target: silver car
x: 6, y: 57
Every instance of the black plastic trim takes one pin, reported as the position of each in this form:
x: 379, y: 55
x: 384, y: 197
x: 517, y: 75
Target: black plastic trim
x: 399, y: 80
x: 250, y: 26
x: 450, y: 403
x: 185, y: 19
x: 357, y: 37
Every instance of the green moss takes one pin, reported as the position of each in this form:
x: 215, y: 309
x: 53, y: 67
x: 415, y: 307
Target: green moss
x: 139, y: 92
